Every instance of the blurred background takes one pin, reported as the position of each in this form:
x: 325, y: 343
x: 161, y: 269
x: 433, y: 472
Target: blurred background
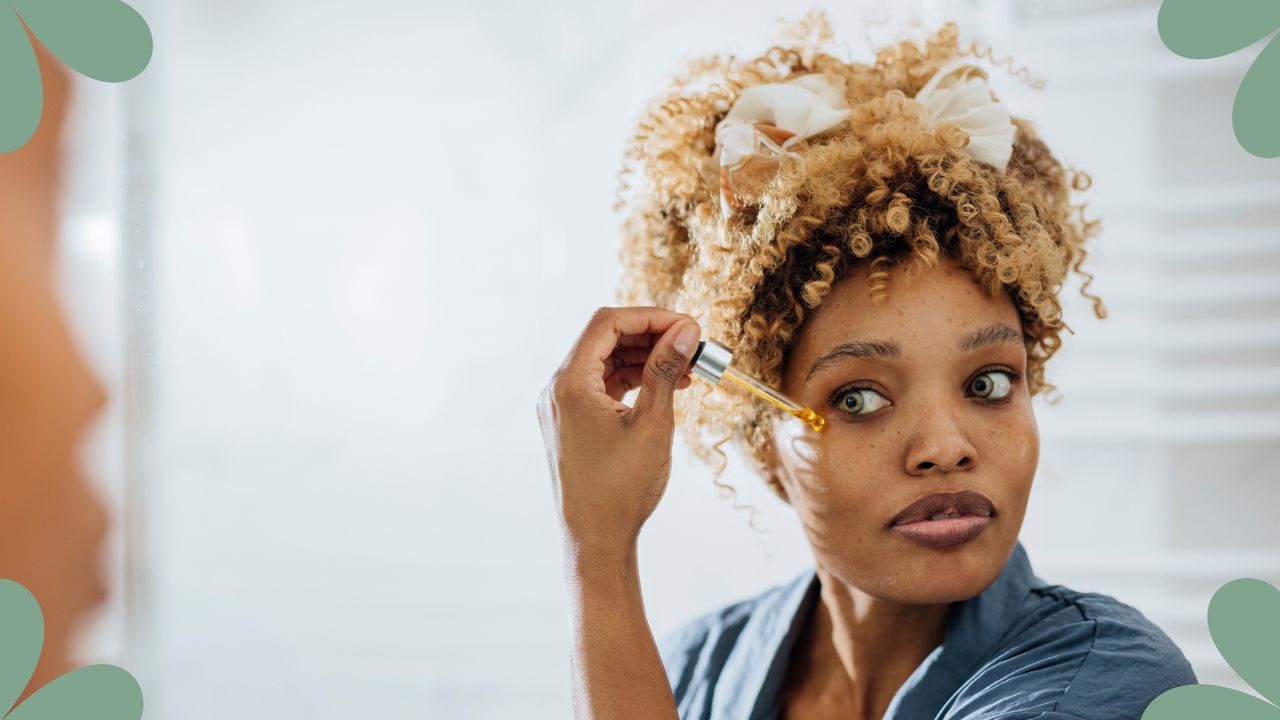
x: 325, y: 258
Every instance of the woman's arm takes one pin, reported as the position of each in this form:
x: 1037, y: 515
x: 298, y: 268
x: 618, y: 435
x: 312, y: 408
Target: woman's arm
x: 617, y: 672
x: 609, y: 468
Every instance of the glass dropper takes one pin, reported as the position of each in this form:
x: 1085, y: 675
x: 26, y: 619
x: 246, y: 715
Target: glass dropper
x: 712, y: 361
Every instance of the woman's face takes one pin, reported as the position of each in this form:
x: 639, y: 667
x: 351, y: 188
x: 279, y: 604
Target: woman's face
x: 922, y: 394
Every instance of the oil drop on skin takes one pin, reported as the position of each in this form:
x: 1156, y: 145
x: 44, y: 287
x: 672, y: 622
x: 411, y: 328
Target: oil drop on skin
x: 712, y: 361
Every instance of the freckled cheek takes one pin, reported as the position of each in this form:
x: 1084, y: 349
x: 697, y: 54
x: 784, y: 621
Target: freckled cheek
x: 838, y: 477
x: 1013, y: 446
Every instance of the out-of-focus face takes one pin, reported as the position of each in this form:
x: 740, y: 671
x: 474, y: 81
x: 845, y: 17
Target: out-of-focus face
x: 922, y: 394
x: 52, y: 523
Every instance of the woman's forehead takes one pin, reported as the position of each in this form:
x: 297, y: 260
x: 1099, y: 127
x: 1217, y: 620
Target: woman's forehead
x: 942, y: 309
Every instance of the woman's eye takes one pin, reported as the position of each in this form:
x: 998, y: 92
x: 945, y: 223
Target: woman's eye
x: 993, y: 385
x: 860, y: 401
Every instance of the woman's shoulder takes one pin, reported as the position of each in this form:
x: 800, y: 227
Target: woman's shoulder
x: 1074, y: 654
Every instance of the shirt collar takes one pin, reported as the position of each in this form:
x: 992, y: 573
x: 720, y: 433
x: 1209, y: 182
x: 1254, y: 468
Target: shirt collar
x: 757, y: 664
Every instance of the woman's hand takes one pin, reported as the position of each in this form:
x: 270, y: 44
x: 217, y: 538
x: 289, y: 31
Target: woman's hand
x: 610, y: 463
x: 609, y: 468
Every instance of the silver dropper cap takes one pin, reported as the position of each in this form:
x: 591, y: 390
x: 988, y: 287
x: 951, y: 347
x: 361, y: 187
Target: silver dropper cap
x: 711, y: 360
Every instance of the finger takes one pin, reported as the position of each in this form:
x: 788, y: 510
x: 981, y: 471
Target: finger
x: 644, y: 340
x: 623, y: 357
x: 668, y: 362
x: 623, y: 380
x: 606, y: 329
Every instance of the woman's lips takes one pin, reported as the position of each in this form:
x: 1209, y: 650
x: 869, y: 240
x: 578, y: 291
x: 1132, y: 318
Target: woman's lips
x: 944, y: 520
x: 944, y: 533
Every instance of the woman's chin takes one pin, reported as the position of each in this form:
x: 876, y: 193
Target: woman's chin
x: 938, y: 575
x: 953, y: 588
x: 910, y: 573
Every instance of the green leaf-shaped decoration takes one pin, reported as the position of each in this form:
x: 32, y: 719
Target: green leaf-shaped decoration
x: 1209, y: 702
x: 21, y: 637
x: 1198, y: 29
x: 21, y: 96
x: 102, y: 39
x: 96, y: 692
x: 1256, y: 113
x: 1244, y: 620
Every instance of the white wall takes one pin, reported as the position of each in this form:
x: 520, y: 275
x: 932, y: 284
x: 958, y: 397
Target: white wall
x: 366, y: 236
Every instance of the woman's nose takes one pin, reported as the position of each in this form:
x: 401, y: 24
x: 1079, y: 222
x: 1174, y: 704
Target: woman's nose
x: 939, y: 443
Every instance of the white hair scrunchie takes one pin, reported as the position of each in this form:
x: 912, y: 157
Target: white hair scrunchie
x: 772, y: 121
x: 958, y: 93
x: 803, y: 106
x: 769, y: 122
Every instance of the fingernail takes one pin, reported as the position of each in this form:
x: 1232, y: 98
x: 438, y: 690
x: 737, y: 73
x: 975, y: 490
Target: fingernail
x: 687, y: 338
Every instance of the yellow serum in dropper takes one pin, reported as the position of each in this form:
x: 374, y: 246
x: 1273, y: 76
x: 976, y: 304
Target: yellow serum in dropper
x: 713, y: 361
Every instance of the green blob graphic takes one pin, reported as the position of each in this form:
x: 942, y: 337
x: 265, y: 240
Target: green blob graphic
x: 1199, y: 29
x: 96, y: 692
x: 1244, y: 620
x: 102, y: 39
x: 21, y: 96
x: 21, y: 637
x: 100, y: 692
x: 1208, y: 702
x: 1256, y: 113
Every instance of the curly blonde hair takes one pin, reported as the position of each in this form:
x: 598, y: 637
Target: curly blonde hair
x: 882, y: 188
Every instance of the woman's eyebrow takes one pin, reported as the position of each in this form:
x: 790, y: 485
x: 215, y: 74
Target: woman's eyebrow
x: 854, y: 349
x: 990, y: 335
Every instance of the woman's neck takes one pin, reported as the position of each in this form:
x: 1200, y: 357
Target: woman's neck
x: 856, y: 650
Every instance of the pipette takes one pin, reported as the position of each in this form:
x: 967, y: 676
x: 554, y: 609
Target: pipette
x: 713, y: 361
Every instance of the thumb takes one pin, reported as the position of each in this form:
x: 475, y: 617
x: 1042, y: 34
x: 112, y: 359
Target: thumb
x: 667, y: 363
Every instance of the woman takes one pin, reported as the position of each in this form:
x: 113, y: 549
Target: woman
x: 885, y: 244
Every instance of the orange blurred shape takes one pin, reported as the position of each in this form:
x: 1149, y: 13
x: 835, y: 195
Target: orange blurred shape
x: 52, y: 523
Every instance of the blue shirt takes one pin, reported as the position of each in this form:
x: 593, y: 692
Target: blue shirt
x: 1020, y: 650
